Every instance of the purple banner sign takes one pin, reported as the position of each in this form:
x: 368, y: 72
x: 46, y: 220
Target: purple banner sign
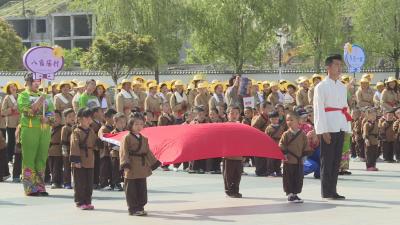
x: 43, y: 62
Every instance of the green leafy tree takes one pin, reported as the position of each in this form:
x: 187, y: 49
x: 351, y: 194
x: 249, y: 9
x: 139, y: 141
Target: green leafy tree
x: 319, y: 28
x: 118, y: 53
x: 377, y: 28
x: 234, y: 30
x: 72, y: 56
x: 161, y: 19
x: 11, y: 49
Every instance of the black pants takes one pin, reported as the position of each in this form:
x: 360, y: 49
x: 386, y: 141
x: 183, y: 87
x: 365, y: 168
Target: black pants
x: 10, y: 143
x: 360, y: 148
x: 372, y: 154
x: 388, y: 150
x: 56, y: 169
x: 96, y: 169
x: 232, y: 175
x: 47, y: 174
x: 292, y: 178
x: 213, y: 164
x: 116, y: 173
x: 83, y: 188
x: 3, y: 164
x: 17, y: 165
x: 136, y: 194
x: 67, y: 170
x: 105, y: 171
x: 199, y: 164
x: 185, y: 165
x: 274, y: 166
x: 331, y: 155
x: 261, y: 166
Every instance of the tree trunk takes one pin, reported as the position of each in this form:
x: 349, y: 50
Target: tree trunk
x: 157, y: 73
x: 397, y: 67
x: 317, y: 61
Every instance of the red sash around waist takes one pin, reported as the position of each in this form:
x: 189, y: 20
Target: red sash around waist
x: 343, y: 110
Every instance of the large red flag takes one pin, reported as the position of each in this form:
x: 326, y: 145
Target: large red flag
x: 183, y: 143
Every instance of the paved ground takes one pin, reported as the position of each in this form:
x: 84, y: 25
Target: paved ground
x: 180, y: 198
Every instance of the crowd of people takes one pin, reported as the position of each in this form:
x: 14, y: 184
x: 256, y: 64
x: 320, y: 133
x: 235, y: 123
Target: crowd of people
x: 78, y: 113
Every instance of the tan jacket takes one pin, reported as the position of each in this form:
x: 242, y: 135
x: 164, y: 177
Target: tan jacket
x: 166, y: 120
x: 142, y: 97
x: 371, y: 132
x: 365, y: 97
x: 389, y: 99
x: 273, y: 98
x: 55, y: 141
x: 202, y: 99
x: 191, y: 98
x: 297, y: 147
x: 60, y: 104
x: 275, y: 132
x: 302, y: 97
x: 386, y: 130
x: 95, y: 126
x: 311, y: 95
x: 136, y: 159
x: 178, y: 109
x: 105, y: 150
x: 82, y: 146
x: 12, y: 115
x: 260, y: 122
x: 153, y: 104
x: 66, y: 132
x: 125, y: 105
x: 214, y: 104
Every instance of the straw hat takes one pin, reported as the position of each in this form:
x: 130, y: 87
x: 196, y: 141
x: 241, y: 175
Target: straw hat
x: 198, y: 77
x: 138, y: 78
x: 379, y: 84
x: 99, y: 83
x: 215, y: 81
x: 301, y: 79
x: 314, y: 76
x: 74, y: 82
x: 136, y: 83
x: 81, y: 84
x: 124, y: 81
x: 150, y: 82
x: 16, y: 83
x: 364, y: 80
x: 178, y: 83
x: 62, y: 83
x: 369, y: 76
x: 282, y: 81
x: 274, y: 84
x: 345, y: 78
x: 203, y: 84
x: 390, y: 79
x: 153, y: 85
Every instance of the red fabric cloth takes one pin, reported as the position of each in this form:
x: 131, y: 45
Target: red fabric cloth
x: 343, y: 110
x: 175, y: 144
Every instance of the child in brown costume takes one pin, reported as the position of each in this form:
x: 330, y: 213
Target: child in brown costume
x: 295, y: 146
x: 370, y: 135
x: 66, y: 131
x: 83, y: 141
x: 137, y: 161
x: 55, y: 159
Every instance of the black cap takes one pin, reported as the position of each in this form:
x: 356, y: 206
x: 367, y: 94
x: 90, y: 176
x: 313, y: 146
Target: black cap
x: 301, y: 112
x: 273, y: 114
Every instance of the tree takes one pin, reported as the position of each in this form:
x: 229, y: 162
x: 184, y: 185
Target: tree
x: 160, y: 19
x: 233, y: 30
x: 118, y: 53
x: 320, y: 23
x: 11, y: 49
x: 71, y: 56
x: 377, y: 28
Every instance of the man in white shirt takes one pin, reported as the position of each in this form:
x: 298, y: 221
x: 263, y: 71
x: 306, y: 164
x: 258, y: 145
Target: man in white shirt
x: 331, y: 119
